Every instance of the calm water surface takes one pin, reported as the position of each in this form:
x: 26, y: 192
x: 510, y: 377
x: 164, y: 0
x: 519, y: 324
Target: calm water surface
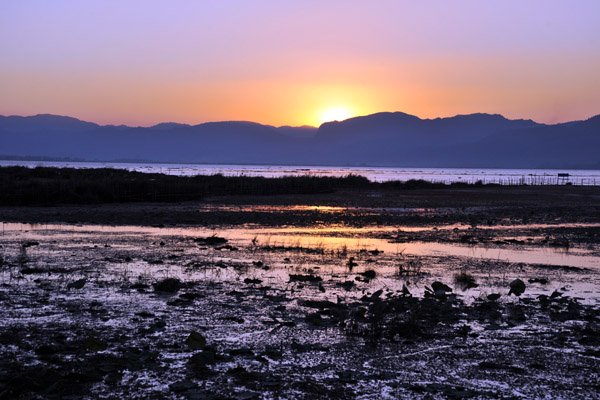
x: 354, y: 239
x: 375, y: 174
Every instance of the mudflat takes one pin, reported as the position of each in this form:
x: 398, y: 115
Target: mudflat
x: 453, y: 292
x: 486, y: 205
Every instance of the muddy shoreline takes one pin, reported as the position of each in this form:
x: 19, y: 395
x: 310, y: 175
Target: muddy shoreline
x: 305, y: 297
x: 473, y: 205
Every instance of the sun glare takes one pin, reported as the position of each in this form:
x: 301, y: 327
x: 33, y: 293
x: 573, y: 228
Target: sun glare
x: 335, y: 114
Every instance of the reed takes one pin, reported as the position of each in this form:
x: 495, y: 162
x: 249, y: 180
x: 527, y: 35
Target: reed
x: 51, y: 186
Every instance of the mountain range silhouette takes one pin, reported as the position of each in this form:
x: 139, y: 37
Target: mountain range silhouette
x: 382, y: 139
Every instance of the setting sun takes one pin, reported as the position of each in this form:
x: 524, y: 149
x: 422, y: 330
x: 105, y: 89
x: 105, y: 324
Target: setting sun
x: 335, y: 114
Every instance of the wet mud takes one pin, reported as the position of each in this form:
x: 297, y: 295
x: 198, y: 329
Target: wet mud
x: 319, y: 310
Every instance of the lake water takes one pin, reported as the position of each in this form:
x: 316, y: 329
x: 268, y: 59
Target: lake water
x: 375, y: 174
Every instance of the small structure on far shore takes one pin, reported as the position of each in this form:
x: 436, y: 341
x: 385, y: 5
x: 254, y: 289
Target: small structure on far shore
x: 563, y: 178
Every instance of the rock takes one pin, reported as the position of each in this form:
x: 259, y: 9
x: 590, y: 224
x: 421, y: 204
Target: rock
x: 169, y: 285
x: 346, y: 285
x: 158, y: 325
x: 191, y: 295
x: 272, y: 352
x: 516, y: 314
x: 437, y: 286
x: 247, y: 395
x: 32, y: 270
x: 138, y: 285
x: 347, y: 376
x: 226, y: 247
x: 517, y: 287
x: 78, y: 284
x: 369, y: 274
x: 314, y: 319
x: 47, y: 349
x: 242, y: 351
x: 544, y: 300
x: 195, y: 341
x: 305, y: 278
x: 536, y: 365
x: 202, y: 358
x: 493, y: 296
x: 320, y: 304
x: 145, y: 314
x: 491, y: 365
x: 542, y: 281
x: 182, y: 386
x: 440, y: 295
x: 92, y: 343
x: 211, y: 240
x: 302, y: 348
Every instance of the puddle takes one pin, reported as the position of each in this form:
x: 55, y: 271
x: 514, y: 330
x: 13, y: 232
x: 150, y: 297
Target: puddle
x: 339, y: 238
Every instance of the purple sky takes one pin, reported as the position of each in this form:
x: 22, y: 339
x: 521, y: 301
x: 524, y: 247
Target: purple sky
x: 301, y: 62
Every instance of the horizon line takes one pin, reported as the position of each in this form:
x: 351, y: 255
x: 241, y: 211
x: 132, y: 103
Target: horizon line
x: 293, y: 126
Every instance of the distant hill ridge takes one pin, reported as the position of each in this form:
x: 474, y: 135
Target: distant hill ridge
x: 381, y: 139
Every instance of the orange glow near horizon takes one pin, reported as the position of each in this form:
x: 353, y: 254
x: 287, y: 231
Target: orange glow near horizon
x: 258, y: 61
x: 307, y: 99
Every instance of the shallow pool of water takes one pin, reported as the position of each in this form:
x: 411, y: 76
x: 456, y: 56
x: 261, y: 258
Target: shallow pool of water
x: 340, y: 239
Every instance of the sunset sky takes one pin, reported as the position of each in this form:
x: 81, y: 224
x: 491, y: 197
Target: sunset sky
x: 298, y: 62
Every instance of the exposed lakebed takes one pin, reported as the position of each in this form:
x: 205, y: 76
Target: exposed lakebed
x: 324, y: 311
